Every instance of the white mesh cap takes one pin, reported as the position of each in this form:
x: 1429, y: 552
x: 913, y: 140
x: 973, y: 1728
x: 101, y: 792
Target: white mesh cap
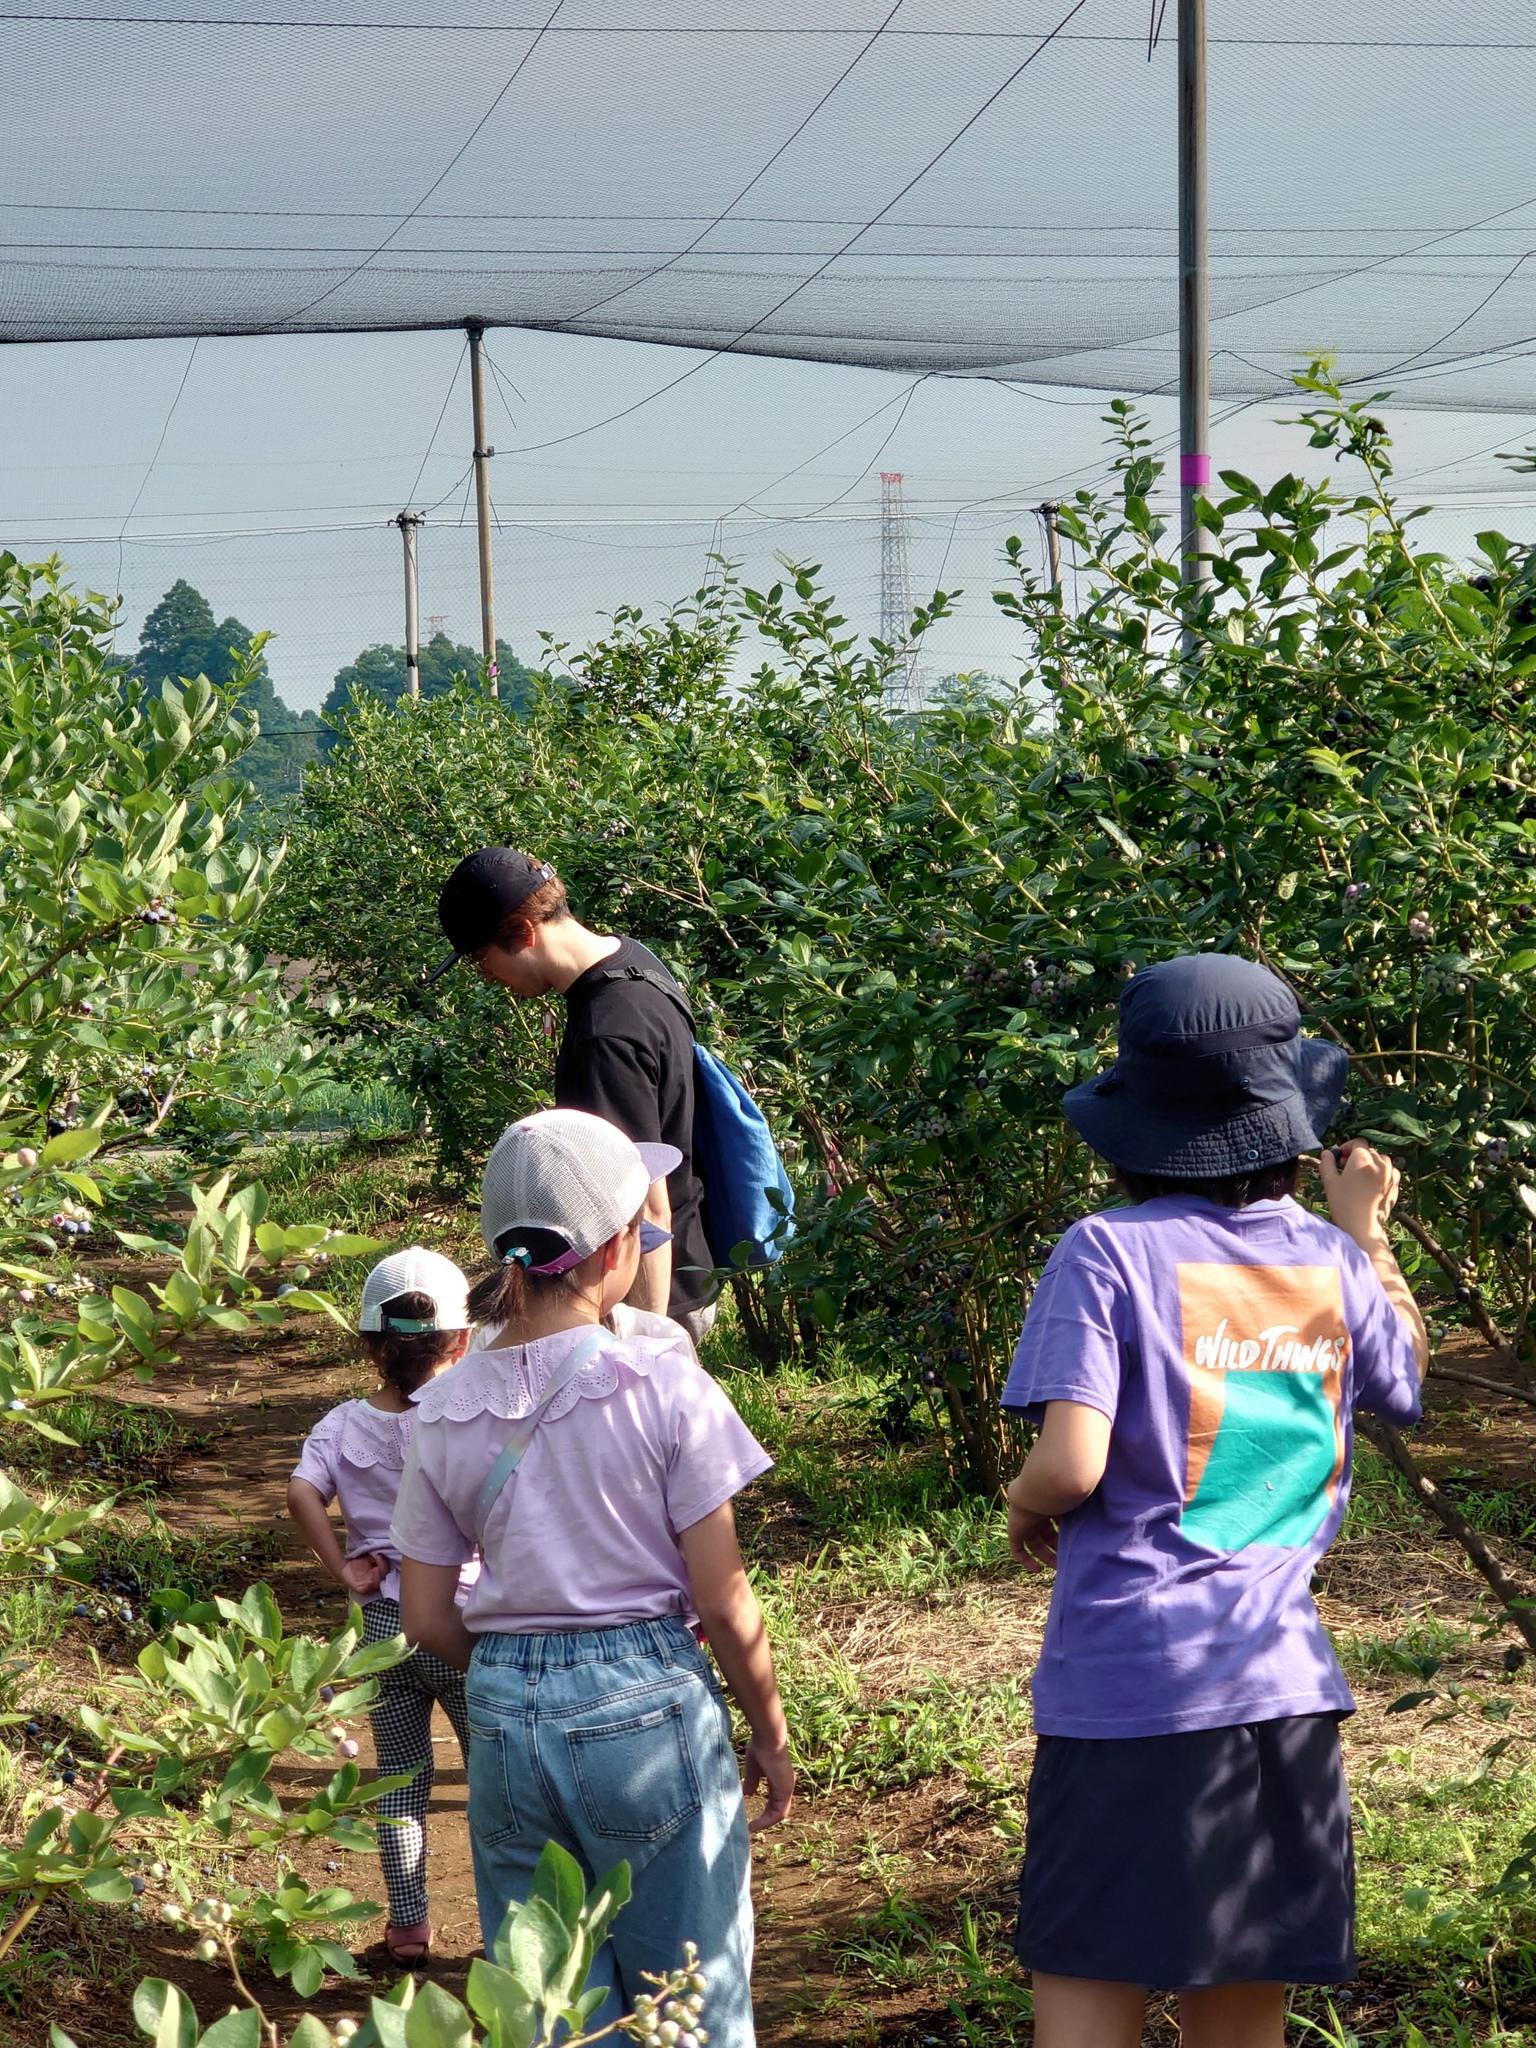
x: 416, y: 1271
x: 572, y: 1175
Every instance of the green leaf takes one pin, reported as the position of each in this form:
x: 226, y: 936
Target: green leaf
x: 437, y: 2020
x: 69, y: 1146
x: 311, y: 2033
x: 163, y: 2012
x: 307, y: 1971
x: 496, y: 1997
x: 240, y: 2030
x: 533, y: 1945
x: 559, y: 1881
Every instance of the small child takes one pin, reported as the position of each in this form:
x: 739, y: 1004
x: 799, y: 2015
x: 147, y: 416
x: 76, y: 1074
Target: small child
x: 1195, y: 1361
x: 595, y: 1468
x: 414, y: 1325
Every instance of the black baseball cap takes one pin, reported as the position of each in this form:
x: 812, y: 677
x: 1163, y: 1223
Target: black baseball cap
x: 485, y: 887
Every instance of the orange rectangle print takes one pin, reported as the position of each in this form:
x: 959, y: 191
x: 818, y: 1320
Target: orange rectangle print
x: 1265, y: 1349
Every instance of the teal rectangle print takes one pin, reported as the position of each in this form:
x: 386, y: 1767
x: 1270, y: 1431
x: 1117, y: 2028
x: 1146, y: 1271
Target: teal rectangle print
x: 1267, y: 1478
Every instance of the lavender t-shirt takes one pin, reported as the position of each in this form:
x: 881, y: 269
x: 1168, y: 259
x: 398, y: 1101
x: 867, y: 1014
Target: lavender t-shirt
x: 354, y: 1456
x: 1229, y: 1347
x: 639, y: 1446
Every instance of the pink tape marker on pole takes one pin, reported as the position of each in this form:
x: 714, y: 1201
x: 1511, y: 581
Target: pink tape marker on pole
x: 1194, y: 471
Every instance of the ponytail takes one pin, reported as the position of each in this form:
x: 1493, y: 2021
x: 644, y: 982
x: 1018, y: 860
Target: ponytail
x: 506, y: 1294
x: 404, y: 1359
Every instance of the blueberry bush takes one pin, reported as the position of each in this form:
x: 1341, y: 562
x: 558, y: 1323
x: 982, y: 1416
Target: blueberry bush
x: 912, y: 931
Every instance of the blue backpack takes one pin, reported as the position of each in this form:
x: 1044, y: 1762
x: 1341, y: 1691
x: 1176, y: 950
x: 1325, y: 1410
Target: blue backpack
x: 749, y: 1205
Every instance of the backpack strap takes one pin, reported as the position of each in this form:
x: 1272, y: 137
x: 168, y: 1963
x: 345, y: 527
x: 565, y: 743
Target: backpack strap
x: 668, y: 988
x: 495, y: 1481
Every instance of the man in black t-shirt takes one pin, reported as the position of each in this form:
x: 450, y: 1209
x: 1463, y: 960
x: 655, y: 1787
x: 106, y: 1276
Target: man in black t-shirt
x: 626, y: 1052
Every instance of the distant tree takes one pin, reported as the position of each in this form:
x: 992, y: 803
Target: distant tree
x: 379, y: 671
x: 180, y: 638
x: 176, y: 637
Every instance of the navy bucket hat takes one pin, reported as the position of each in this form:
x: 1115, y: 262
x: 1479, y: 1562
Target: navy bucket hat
x: 1213, y: 1076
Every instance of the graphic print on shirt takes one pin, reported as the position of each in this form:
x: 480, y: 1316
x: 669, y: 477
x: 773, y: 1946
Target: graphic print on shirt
x: 1265, y: 1349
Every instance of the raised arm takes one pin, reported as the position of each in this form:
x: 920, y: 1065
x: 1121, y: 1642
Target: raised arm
x: 1362, y: 1187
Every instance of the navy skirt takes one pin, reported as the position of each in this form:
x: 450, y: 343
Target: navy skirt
x: 1180, y: 1861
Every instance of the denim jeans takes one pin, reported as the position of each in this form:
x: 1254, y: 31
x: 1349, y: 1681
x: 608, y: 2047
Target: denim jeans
x: 616, y: 1743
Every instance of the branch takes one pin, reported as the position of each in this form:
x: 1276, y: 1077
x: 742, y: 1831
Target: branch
x: 1472, y: 1379
x: 1518, y: 1605
x: 75, y: 945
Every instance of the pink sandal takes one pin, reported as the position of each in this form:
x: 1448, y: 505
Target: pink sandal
x: 409, y: 1945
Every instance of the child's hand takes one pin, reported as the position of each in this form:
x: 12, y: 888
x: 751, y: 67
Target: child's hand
x: 1361, y: 1185
x: 768, y: 1765
x: 1032, y: 1539
x: 363, y: 1575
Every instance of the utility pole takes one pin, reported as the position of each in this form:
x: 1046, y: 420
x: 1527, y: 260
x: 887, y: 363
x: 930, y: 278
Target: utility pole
x: 1049, y: 513
x: 1194, y: 303
x: 408, y: 523
x: 475, y: 329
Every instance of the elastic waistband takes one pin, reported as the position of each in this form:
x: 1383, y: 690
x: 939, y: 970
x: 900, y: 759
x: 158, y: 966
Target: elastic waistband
x: 560, y: 1648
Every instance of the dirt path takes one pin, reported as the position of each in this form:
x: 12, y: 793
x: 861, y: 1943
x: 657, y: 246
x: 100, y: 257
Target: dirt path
x: 251, y: 1411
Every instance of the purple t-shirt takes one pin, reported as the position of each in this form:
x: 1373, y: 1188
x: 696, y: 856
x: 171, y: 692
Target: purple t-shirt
x: 1229, y: 1348
x: 637, y: 1447
x: 354, y: 1456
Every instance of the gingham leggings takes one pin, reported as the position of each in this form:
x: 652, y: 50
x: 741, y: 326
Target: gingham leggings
x: 402, y: 1741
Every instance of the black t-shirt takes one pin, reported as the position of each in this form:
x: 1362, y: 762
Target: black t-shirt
x: 627, y: 1054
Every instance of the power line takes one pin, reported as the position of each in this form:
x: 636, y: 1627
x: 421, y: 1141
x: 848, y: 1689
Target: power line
x: 715, y: 354
x: 742, y: 503
x: 753, y: 31
x: 757, y: 176
x: 438, y: 180
x: 442, y: 414
x: 149, y: 472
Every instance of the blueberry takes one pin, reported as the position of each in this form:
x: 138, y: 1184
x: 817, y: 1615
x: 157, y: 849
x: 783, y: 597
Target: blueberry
x: 80, y: 1613
x: 67, y: 1776
x: 138, y: 1885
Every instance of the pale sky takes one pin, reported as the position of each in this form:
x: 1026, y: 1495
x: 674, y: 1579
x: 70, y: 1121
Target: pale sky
x: 286, y: 457
x: 926, y: 183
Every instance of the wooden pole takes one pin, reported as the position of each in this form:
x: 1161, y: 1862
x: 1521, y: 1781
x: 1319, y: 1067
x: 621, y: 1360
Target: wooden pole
x: 475, y: 329
x: 408, y: 523
x: 1194, y: 302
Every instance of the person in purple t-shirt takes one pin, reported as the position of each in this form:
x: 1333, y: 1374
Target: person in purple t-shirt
x: 414, y: 1324
x: 1194, y: 1362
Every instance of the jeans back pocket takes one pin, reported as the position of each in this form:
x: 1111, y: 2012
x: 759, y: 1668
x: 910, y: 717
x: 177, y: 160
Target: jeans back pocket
x: 492, y: 1809
x: 636, y: 1776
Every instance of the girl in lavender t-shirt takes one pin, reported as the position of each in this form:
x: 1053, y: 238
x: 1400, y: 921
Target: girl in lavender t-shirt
x: 1195, y: 1361
x: 414, y: 1324
x: 594, y: 1461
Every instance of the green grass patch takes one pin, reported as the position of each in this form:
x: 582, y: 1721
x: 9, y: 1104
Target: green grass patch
x: 130, y: 1559
x: 120, y: 1442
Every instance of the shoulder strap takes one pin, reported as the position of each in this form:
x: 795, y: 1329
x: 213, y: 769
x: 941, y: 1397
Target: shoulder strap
x: 668, y: 988
x: 495, y: 1481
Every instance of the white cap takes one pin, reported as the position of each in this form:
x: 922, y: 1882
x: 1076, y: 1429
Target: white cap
x: 573, y: 1178
x: 416, y: 1271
